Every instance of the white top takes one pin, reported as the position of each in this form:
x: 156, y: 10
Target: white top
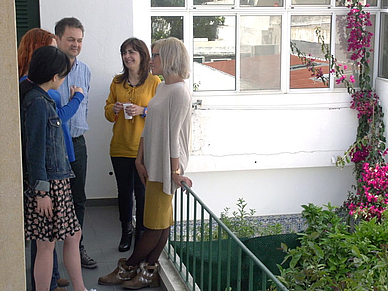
x: 166, y: 133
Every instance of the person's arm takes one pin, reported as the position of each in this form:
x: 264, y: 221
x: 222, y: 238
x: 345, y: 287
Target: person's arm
x: 35, y: 151
x: 112, y: 107
x: 139, y: 162
x: 178, y: 107
x: 176, y: 174
x: 89, y: 77
x: 67, y: 111
x: 178, y: 110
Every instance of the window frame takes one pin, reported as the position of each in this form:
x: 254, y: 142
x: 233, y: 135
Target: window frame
x: 285, y: 12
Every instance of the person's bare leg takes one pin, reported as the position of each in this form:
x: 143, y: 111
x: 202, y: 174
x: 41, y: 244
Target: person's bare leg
x: 43, y: 268
x: 72, y: 260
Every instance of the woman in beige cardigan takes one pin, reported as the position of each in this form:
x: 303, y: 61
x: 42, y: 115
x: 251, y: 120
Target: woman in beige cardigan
x: 162, y: 158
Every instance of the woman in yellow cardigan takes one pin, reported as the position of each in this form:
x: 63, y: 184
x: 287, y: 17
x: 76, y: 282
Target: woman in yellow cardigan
x: 134, y: 88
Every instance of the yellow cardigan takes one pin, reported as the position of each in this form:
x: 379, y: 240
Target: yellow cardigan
x: 127, y: 132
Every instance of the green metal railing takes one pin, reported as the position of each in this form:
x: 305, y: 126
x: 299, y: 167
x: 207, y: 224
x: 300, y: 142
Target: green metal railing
x: 201, y: 251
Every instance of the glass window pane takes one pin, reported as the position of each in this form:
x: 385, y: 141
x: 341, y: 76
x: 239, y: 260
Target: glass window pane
x: 262, y: 3
x: 310, y: 2
x: 303, y: 35
x: 167, y: 3
x: 260, y: 52
x: 214, y: 52
x: 383, y: 59
x: 213, y: 2
x: 341, y: 49
x: 342, y: 3
x: 165, y: 26
x: 384, y: 3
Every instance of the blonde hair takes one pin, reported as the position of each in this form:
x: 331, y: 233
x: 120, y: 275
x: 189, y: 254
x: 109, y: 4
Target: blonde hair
x: 174, y: 57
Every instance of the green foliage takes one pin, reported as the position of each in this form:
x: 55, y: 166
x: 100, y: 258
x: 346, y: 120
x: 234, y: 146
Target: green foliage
x: 206, y: 26
x: 333, y: 258
x: 241, y: 223
x: 166, y: 26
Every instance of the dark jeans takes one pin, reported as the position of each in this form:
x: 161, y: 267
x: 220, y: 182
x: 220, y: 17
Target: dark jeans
x: 55, y: 276
x: 128, y: 181
x: 77, y: 184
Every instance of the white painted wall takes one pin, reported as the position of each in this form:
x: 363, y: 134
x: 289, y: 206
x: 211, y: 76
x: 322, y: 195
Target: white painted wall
x: 107, y: 24
x: 272, y: 149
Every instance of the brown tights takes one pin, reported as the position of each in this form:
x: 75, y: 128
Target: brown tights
x: 149, y: 247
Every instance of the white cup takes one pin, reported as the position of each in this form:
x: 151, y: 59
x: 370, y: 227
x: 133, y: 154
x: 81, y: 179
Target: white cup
x: 125, y: 105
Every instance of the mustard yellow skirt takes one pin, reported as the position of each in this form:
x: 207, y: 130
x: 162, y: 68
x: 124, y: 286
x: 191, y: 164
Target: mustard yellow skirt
x: 157, y: 207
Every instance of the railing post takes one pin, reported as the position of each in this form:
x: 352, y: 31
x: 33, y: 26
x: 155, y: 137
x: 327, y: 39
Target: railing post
x: 231, y: 237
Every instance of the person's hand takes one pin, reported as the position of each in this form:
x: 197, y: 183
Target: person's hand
x: 44, y: 206
x: 142, y: 171
x: 74, y: 89
x: 117, y: 107
x: 178, y: 179
x: 136, y: 110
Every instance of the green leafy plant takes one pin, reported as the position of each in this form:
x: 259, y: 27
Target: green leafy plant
x: 331, y: 257
x: 242, y: 223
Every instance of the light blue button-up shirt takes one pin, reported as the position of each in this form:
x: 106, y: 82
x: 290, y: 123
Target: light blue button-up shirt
x: 79, y: 76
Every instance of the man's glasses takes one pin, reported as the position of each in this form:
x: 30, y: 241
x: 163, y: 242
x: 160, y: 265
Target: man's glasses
x: 154, y: 55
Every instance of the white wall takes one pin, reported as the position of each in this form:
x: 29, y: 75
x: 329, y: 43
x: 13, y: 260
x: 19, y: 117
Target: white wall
x: 107, y: 24
x: 273, y: 149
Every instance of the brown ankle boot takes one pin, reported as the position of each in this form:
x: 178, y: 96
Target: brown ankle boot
x: 147, y: 277
x: 120, y: 274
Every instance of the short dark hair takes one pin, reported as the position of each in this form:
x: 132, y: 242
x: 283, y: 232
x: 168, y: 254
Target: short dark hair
x: 61, y: 25
x: 139, y: 46
x: 46, y: 62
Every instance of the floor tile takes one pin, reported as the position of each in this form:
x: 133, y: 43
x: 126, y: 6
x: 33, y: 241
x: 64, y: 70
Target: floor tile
x: 101, y: 235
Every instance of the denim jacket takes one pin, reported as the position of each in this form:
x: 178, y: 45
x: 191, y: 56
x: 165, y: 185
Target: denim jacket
x: 44, y: 151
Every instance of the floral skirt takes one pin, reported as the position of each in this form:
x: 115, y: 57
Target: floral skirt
x: 64, y: 221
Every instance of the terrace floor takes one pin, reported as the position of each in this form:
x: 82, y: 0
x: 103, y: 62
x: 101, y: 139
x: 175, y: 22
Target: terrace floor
x: 102, y: 233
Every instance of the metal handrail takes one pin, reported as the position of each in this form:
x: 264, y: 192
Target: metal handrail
x: 190, y: 279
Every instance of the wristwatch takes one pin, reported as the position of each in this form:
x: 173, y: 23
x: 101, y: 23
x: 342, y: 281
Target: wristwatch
x: 144, y: 112
x: 178, y: 172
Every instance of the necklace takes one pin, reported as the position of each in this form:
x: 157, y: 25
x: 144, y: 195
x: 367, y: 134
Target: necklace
x: 132, y: 85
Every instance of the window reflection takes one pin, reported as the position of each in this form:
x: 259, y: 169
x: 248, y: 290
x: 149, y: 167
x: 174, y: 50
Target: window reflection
x: 260, y: 45
x: 342, y: 3
x: 383, y: 60
x: 341, y: 50
x: 310, y: 2
x: 213, y: 2
x: 214, y: 52
x: 303, y: 35
x: 167, y: 3
x: 262, y: 3
x: 165, y: 26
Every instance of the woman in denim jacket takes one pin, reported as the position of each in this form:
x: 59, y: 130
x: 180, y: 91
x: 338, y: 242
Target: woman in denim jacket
x: 31, y: 40
x: 49, y: 211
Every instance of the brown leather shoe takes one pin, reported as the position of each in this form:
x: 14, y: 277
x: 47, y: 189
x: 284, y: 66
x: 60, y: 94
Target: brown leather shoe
x: 120, y: 274
x: 147, y: 277
x: 62, y: 282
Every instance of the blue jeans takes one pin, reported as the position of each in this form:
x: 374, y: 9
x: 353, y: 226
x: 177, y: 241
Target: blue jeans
x: 77, y: 184
x: 55, y: 276
x: 128, y: 181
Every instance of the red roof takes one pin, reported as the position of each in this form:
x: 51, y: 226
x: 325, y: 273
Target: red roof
x: 267, y: 69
